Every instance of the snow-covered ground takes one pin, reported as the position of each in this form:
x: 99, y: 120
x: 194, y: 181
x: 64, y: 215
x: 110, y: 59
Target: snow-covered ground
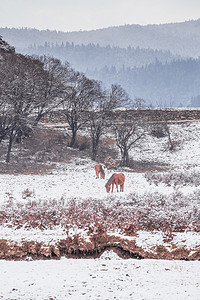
x: 77, y: 180
x: 70, y: 182
x: 106, y: 278
x: 110, y: 278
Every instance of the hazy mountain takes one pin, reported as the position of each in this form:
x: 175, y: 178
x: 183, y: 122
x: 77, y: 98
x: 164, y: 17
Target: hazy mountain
x: 152, y: 62
x: 180, y: 38
x: 92, y: 57
x: 176, y: 83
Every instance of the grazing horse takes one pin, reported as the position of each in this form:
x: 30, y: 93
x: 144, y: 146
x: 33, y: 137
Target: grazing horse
x: 117, y: 179
x: 99, y: 170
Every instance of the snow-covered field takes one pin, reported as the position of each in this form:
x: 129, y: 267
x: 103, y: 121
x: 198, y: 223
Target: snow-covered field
x: 77, y: 180
x: 110, y: 278
x: 106, y: 278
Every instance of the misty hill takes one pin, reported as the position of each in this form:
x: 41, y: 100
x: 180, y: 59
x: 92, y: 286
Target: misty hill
x: 92, y: 57
x: 176, y: 83
x: 180, y: 38
x: 154, y: 75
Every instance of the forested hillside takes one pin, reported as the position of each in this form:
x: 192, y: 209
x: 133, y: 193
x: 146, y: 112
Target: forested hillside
x: 180, y: 38
x: 172, y: 84
x: 158, y: 77
x: 91, y: 57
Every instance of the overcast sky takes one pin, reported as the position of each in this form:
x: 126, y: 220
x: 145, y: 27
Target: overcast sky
x: 70, y: 15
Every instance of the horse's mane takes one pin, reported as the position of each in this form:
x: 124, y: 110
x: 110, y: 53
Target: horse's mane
x: 110, y: 179
x: 101, y: 169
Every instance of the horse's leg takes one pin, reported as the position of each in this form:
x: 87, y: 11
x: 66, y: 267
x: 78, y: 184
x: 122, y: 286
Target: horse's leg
x: 116, y: 183
x: 112, y: 186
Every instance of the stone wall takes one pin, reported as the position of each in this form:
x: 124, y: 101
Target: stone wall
x: 150, y: 115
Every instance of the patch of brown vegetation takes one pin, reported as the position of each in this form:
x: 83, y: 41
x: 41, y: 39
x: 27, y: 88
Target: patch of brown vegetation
x: 39, y: 153
x: 110, y: 163
x: 77, y: 247
x: 20, y: 167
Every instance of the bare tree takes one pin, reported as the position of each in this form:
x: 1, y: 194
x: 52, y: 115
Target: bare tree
x: 28, y: 90
x: 118, y: 97
x: 51, y: 85
x: 78, y: 102
x: 161, y: 128
x: 166, y: 127
x: 101, y: 116
x: 127, y: 134
x: 15, y: 94
x: 139, y: 103
x: 5, y: 119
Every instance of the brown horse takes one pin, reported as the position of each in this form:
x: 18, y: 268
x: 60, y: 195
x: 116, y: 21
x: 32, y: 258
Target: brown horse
x: 99, y: 170
x: 117, y: 179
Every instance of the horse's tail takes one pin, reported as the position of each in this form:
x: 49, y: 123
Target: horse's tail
x: 102, y: 170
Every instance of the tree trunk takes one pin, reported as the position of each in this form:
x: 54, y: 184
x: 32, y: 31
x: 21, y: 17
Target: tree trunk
x: 73, y: 140
x: 95, y: 146
x: 9, y: 147
x: 169, y: 137
x: 37, y: 119
x: 94, y: 150
x: 125, y: 157
x: 74, y: 128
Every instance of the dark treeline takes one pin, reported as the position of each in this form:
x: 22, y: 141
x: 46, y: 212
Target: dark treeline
x: 83, y: 57
x: 159, y: 77
x: 156, y: 76
x: 176, y: 83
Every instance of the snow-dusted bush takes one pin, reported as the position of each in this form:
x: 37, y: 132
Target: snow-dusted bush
x: 150, y: 211
x: 158, y: 131
x: 174, y: 178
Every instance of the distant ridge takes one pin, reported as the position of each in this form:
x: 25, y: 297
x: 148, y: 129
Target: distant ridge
x: 181, y: 38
